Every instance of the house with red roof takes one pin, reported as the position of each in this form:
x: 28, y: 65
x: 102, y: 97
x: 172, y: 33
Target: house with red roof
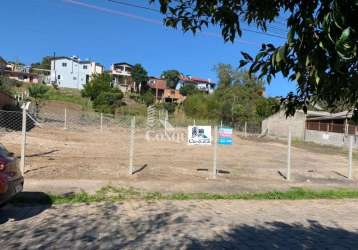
x: 204, y: 85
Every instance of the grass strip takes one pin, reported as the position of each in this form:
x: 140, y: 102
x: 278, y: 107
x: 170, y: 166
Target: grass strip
x: 113, y: 194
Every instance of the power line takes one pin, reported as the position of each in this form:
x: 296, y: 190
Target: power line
x: 134, y: 5
x: 141, y: 18
x: 157, y: 11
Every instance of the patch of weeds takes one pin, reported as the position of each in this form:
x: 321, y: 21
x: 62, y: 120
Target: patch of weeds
x: 153, y: 196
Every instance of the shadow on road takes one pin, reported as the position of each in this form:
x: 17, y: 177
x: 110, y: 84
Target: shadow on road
x: 279, y: 235
x: 24, y: 206
x: 114, y: 226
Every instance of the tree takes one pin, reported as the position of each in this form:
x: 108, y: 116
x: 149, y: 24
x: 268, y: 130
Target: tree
x: 266, y: 107
x: 196, y: 106
x: 239, y: 101
x: 320, y: 52
x: 225, y: 74
x: 100, y: 83
x: 140, y: 77
x: 148, y: 98
x: 38, y: 93
x: 188, y: 89
x: 172, y: 76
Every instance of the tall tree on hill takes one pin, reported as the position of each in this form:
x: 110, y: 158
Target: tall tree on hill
x: 225, y: 74
x: 172, y: 76
x: 320, y: 52
x: 99, y: 84
x: 140, y: 78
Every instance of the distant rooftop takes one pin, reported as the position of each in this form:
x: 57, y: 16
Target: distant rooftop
x: 123, y: 63
x: 196, y: 79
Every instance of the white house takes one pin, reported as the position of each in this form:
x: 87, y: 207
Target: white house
x: 71, y: 72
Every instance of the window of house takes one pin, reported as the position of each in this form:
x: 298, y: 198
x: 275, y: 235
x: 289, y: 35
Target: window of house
x: 59, y: 77
x: 64, y: 64
x: 74, y: 78
x: 84, y: 66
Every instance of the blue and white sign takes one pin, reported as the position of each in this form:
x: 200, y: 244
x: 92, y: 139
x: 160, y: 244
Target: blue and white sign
x: 225, y: 136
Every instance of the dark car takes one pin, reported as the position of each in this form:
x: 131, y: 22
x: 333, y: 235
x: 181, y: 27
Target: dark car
x: 11, y: 179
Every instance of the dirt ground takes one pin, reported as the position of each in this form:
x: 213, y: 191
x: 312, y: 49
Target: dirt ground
x: 86, y: 153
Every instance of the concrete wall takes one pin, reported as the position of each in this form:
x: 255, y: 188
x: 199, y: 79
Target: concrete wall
x: 277, y: 125
x: 330, y: 138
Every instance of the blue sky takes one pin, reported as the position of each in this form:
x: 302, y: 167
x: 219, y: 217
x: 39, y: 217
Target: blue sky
x: 107, y: 32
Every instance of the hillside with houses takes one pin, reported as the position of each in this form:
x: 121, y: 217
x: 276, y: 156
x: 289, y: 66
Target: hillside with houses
x: 138, y: 87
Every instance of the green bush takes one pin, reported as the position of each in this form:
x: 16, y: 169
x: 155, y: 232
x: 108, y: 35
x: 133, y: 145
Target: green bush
x: 170, y: 107
x: 196, y: 106
x: 148, y: 98
x: 99, y: 84
x: 188, y: 89
x: 107, y: 102
x: 7, y: 85
x: 38, y: 91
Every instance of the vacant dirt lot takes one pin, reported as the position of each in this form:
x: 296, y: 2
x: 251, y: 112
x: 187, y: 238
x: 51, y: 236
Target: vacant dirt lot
x: 86, y: 153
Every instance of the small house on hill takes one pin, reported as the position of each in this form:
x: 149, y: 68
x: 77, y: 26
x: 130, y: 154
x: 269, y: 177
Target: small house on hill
x: 162, y: 92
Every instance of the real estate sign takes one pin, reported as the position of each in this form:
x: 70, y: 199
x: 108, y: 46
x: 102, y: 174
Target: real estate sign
x: 225, y: 136
x: 199, y: 135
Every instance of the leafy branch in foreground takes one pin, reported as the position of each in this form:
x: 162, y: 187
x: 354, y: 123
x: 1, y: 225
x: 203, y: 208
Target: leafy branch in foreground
x: 320, y: 52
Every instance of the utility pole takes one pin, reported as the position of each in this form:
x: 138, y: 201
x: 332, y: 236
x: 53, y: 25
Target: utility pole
x: 54, y: 67
x: 156, y: 93
x: 232, y: 110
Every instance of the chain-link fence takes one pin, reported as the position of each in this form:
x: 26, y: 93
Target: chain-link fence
x: 68, y: 143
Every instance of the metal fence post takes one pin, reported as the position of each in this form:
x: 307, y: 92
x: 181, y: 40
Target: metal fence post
x: 131, y: 146
x: 165, y: 126
x: 23, y: 138
x: 215, y: 151
x: 245, y: 130
x: 65, y: 122
x: 101, y: 122
x: 350, y: 156
x: 288, y: 177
